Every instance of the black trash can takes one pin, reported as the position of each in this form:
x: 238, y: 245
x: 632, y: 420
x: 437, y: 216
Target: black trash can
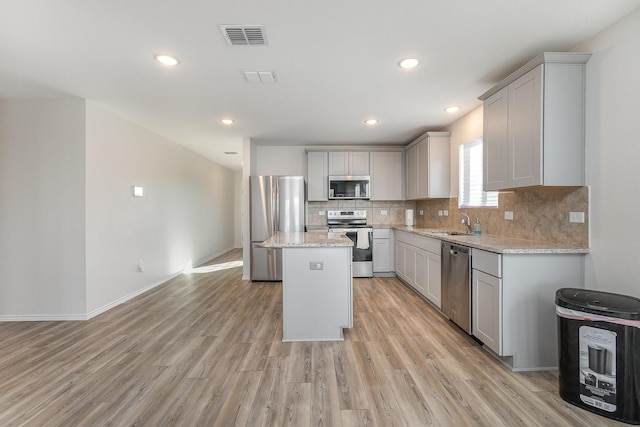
x: 599, y: 353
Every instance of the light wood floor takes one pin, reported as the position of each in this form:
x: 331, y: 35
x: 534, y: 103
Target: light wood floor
x: 205, y: 350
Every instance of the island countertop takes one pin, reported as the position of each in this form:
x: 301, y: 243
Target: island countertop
x: 307, y: 240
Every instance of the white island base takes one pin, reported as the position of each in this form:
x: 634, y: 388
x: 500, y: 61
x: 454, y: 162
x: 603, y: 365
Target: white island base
x: 317, y: 292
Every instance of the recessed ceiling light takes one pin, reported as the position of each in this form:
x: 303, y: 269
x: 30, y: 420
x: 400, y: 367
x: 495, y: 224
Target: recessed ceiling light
x: 167, y: 60
x: 227, y: 121
x: 371, y: 122
x: 408, y: 63
x: 452, y: 109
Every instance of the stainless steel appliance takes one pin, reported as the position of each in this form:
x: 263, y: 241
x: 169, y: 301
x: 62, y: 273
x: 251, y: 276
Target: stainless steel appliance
x: 456, y: 284
x: 354, y: 225
x: 277, y: 205
x: 349, y: 187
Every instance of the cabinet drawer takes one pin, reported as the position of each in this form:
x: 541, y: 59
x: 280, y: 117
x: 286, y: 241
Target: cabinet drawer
x: 489, y: 262
x: 431, y: 245
x: 427, y: 243
x: 381, y: 233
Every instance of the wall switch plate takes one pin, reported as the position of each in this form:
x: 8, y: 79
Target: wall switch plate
x: 383, y: 212
x: 445, y: 212
x: 315, y: 265
x: 137, y: 191
x: 508, y: 215
x: 576, y: 217
x: 321, y: 213
x: 140, y: 266
x: 439, y: 213
x: 421, y: 212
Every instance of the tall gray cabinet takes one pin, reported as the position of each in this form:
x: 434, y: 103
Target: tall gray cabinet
x: 427, y: 166
x: 534, y: 124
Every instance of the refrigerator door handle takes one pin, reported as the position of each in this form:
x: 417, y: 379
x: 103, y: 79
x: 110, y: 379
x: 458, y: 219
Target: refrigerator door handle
x: 276, y: 220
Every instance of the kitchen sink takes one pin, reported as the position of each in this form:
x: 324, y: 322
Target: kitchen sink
x: 451, y: 233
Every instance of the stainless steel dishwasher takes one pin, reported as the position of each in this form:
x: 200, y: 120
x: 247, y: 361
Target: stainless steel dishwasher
x: 456, y: 284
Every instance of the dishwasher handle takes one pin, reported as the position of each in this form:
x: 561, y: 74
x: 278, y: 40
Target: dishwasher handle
x: 455, y: 250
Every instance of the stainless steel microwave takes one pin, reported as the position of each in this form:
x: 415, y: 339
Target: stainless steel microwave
x: 349, y: 187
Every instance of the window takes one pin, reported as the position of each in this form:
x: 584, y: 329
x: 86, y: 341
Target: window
x: 470, y: 192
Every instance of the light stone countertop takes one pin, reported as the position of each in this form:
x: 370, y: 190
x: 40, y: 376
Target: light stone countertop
x: 488, y: 242
x: 494, y: 243
x: 307, y: 240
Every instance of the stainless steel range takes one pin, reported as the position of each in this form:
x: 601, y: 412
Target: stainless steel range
x: 353, y: 223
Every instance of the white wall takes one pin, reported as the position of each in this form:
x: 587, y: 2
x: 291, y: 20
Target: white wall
x: 187, y: 212
x: 463, y: 130
x: 71, y: 233
x: 42, y: 238
x: 612, y: 154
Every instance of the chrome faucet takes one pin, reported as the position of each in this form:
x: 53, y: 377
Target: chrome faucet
x: 466, y: 222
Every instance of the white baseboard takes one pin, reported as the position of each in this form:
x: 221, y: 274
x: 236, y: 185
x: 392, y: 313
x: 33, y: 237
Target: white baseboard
x: 100, y: 310
x: 126, y: 298
x: 43, y: 317
x: 212, y: 257
x: 132, y: 295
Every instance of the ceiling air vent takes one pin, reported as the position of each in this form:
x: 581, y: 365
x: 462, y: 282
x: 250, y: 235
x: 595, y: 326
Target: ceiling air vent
x: 244, y: 35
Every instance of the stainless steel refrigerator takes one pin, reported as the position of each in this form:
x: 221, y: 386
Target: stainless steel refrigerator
x: 277, y: 205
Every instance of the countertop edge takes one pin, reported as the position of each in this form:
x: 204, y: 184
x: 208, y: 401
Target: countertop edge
x: 495, y: 243
x: 307, y: 240
x: 487, y: 242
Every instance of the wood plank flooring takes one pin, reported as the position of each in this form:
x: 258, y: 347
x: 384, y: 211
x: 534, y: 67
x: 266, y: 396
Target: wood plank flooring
x: 205, y: 349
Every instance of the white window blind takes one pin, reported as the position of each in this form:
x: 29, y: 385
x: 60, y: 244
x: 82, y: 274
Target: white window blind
x: 470, y: 192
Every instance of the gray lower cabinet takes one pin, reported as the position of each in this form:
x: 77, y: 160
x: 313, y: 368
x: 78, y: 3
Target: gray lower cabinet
x: 513, y: 304
x: 418, y: 263
x: 383, y: 257
x: 434, y: 280
x: 486, y: 297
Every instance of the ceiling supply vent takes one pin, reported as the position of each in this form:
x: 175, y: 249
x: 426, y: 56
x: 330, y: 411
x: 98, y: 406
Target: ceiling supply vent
x: 260, y: 76
x: 244, y: 35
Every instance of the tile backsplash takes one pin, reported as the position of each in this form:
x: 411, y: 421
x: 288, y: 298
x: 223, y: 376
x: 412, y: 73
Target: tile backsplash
x: 378, y: 212
x: 540, y: 214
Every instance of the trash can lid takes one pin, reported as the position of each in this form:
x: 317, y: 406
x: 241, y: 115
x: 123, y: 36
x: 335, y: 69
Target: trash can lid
x: 598, y: 302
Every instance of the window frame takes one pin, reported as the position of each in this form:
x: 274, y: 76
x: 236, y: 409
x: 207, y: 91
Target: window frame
x: 468, y: 197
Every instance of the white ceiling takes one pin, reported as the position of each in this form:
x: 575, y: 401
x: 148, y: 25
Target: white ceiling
x: 335, y: 62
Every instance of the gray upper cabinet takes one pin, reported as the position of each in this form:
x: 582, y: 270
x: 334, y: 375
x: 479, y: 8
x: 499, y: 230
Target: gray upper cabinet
x: 411, y: 167
x: 317, y: 176
x: 386, y: 175
x: 349, y: 163
x: 534, y: 124
x: 427, y: 167
x: 495, y: 140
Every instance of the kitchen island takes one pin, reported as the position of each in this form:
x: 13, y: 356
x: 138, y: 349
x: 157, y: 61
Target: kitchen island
x: 317, y: 285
